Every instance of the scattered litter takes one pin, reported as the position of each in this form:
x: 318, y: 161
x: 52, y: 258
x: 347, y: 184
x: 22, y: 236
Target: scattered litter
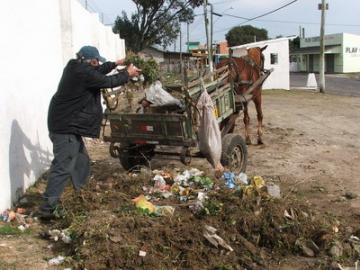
x: 165, y: 210
x: 63, y: 235
x: 242, y: 178
x: 11, y: 215
x: 143, y: 204
x: 160, y: 184
x: 20, y: 218
x: 229, y: 178
x: 142, y: 253
x: 201, y: 196
x: 290, y: 215
x: 214, y: 239
x: 182, y: 179
x: 57, y: 260
x: 22, y: 228
x: 258, y: 182
x: 203, y: 181
x: 273, y: 190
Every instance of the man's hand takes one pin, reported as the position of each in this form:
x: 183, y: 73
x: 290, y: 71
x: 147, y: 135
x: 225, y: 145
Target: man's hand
x: 133, y: 71
x: 120, y: 62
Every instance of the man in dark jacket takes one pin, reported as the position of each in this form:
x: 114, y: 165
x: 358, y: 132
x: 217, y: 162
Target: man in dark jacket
x: 75, y: 111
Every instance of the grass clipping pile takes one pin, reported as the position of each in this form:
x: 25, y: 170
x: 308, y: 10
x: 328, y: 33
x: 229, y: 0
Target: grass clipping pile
x: 256, y: 230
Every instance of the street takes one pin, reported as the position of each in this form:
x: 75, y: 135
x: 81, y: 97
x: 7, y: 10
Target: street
x: 335, y: 84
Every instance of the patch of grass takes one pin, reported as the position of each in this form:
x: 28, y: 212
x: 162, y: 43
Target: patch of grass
x: 7, y: 266
x: 9, y: 230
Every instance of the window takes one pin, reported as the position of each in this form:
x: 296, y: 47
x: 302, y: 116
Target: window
x: 274, y: 58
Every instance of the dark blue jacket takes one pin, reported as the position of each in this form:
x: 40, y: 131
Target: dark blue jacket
x: 76, y: 107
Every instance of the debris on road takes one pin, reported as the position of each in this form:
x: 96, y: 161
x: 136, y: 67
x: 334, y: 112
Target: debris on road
x: 57, y: 260
x: 214, y: 239
x: 201, y: 221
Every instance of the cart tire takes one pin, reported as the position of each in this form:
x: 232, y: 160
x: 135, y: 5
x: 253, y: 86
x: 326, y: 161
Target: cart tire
x: 114, y: 150
x: 131, y: 156
x: 234, y: 152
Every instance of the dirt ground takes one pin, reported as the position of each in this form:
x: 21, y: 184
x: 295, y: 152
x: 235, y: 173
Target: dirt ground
x: 311, y: 150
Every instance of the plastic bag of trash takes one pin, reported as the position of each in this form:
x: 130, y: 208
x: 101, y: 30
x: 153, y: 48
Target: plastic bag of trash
x: 159, y: 97
x: 209, y: 131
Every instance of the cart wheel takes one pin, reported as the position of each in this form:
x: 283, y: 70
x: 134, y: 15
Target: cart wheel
x: 114, y: 150
x: 133, y: 155
x: 234, y: 152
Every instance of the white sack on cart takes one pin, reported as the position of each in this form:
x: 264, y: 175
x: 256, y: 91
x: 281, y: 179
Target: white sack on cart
x: 209, y: 131
x: 159, y: 97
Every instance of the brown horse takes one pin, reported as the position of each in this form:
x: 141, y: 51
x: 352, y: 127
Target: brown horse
x: 244, y: 71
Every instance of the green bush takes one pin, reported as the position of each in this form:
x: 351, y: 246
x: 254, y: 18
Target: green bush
x: 150, y: 69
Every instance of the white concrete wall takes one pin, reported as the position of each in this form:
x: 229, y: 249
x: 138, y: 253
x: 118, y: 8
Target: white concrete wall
x: 351, y: 53
x: 38, y: 38
x: 280, y: 77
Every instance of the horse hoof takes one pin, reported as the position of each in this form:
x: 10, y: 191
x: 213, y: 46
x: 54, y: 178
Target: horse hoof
x: 248, y: 141
x: 260, y: 142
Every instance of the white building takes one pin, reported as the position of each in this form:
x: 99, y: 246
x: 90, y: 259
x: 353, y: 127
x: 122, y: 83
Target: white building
x: 38, y: 38
x: 276, y: 57
x: 342, y: 54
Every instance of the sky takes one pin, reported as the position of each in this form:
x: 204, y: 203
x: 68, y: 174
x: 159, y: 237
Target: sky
x: 342, y: 16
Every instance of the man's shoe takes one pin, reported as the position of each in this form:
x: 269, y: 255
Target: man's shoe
x: 45, y: 215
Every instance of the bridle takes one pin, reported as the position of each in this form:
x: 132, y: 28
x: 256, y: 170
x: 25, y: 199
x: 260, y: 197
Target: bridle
x: 259, y: 67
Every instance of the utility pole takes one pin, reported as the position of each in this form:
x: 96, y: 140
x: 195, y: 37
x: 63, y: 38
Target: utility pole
x: 86, y: 4
x: 181, y: 59
x: 211, y: 29
x: 323, y: 6
x: 208, y: 37
x: 188, y: 37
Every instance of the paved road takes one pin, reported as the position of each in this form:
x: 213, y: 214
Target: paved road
x: 335, y: 84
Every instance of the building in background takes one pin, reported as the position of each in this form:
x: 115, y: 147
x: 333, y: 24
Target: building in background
x: 222, y: 48
x: 169, y: 61
x: 192, y: 45
x: 276, y: 57
x: 342, y: 54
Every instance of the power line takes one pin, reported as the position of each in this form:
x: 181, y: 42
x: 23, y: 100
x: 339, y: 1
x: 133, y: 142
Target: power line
x: 223, y: 2
x: 270, y: 12
x: 262, y: 15
x: 293, y: 22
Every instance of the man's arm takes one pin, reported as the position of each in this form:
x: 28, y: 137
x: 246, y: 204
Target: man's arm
x: 96, y: 79
x: 107, y: 67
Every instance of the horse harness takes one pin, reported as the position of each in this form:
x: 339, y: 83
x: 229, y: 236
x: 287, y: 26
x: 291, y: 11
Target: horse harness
x: 237, y: 81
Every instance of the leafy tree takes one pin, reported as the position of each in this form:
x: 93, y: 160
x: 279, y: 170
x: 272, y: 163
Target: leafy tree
x: 245, y: 34
x: 156, y: 22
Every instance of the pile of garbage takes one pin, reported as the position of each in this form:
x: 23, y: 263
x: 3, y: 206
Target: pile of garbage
x: 192, y: 186
x: 17, y: 219
x: 188, y: 220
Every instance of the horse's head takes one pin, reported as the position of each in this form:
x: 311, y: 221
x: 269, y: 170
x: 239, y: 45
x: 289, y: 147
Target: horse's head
x: 256, y: 54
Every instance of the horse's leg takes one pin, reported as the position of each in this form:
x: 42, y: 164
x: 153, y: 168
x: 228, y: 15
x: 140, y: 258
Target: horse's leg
x: 247, y: 124
x: 257, y: 101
